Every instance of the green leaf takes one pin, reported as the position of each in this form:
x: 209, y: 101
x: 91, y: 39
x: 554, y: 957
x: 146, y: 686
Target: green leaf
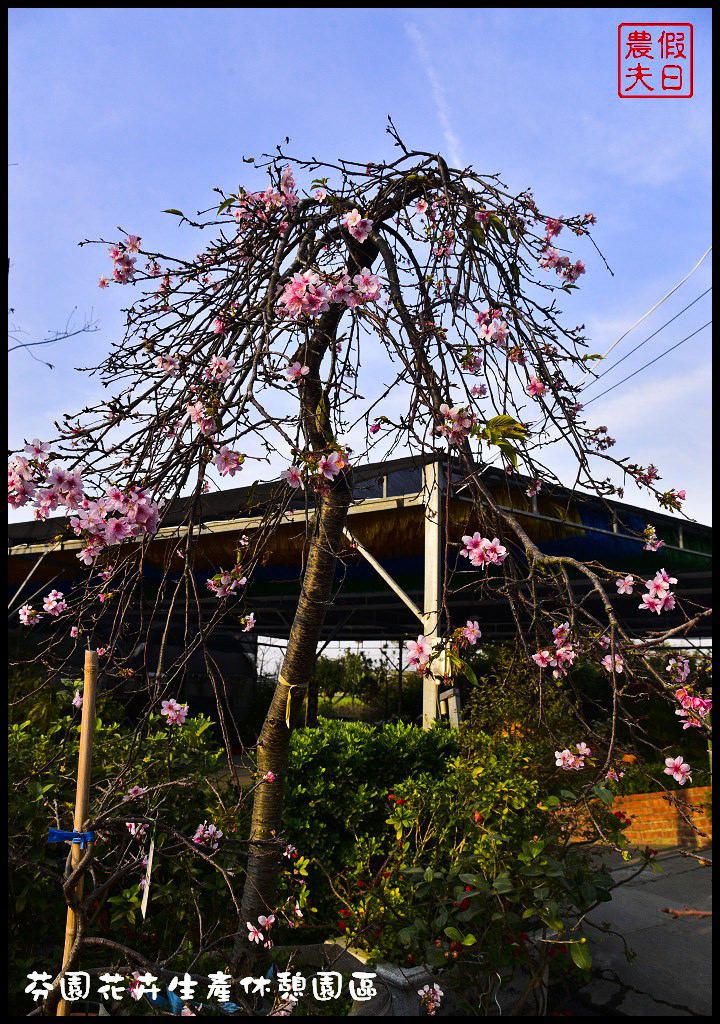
x: 454, y: 934
x: 177, y: 213
x: 581, y: 955
x: 225, y: 206
x: 499, y: 226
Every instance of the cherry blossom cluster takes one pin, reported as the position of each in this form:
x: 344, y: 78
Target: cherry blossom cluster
x: 136, y: 829
x: 202, y: 417
x: 225, y: 583
x: 492, y: 328
x: 458, y: 424
x: 483, y: 552
x: 613, y: 776
x: 652, y: 543
x: 599, y: 440
x: 228, y: 462
x: 134, y: 793
x: 103, y: 523
x: 679, y: 669
x: 113, y: 519
x: 536, y: 388
x: 308, y: 294
x: 32, y: 478
x: 568, y: 761
x: 550, y: 258
x: 207, y: 835
x: 174, y: 712
x: 676, y: 767
x: 219, y: 369
x: 693, y: 709
x: 260, y: 204
x: 168, y: 365
x: 123, y: 264
x: 430, y: 998
x: 557, y: 660
x: 419, y: 653
x: 358, y: 226
x: 53, y: 603
x: 659, y: 597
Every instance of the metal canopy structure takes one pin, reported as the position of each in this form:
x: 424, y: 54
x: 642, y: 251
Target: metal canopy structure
x: 388, y: 579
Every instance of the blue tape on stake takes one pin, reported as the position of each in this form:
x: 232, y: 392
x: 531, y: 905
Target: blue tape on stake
x: 55, y: 835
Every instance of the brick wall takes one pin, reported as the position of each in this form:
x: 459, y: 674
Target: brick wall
x: 659, y: 822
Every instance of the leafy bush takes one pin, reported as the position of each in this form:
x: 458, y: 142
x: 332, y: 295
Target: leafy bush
x: 174, y: 764
x: 339, y: 777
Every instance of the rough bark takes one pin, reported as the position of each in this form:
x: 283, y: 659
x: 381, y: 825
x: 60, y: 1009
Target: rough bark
x: 273, y: 745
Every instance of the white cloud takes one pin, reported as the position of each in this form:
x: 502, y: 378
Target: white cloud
x: 438, y: 94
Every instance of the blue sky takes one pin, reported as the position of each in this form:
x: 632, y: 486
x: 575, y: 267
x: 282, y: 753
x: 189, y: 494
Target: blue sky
x: 117, y: 114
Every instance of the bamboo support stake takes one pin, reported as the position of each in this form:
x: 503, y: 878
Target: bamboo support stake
x: 82, y: 796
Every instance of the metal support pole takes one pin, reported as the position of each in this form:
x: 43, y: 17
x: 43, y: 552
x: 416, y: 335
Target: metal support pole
x: 431, y: 602
x: 400, y: 656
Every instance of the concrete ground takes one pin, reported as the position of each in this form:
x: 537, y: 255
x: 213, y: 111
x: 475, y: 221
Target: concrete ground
x: 670, y: 976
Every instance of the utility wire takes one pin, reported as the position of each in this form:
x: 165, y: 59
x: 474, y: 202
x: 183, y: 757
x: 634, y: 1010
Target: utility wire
x: 632, y: 350
x: 667, y: 350
x: 648, y: 313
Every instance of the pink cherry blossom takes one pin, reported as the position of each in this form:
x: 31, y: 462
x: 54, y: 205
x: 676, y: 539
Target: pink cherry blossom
x: 207, y: 835
x: 293, y: 476
x: 625, y: 585
x: 175, y: 713
x: 28, y: 615
x: 568, y: 761
x: 483, y: 552
x: 676, y: 767
x: 253, y: 934
x: 560, y: 633
x: 77, y: 700
x: 419, y: 652
x: 544, y: 659
x: 305, y: 295
x: 331, y: 465
x: 536, y: 388
x: 358, y: 227
x: 228, y: 462
x: 54, y: 603
x: 295, y: 372
x: 249, y: 622
x: 471, y: 632
x: 219, y: 369
x: 607, y: 663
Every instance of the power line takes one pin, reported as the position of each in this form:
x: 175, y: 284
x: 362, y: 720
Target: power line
x: 632, y: 350
x: 667, y: 350
x: 644, y: 317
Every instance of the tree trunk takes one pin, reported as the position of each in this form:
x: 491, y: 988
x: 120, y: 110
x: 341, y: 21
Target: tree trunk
x: 273, y: 745
x: 311, y: 710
